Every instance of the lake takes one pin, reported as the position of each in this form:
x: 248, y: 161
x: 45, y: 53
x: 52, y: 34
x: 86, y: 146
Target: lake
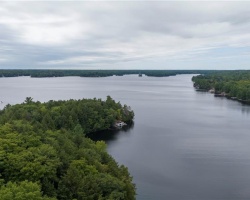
x: 183, y: 145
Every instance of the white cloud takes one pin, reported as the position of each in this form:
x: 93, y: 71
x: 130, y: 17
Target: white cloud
x: 2, y: 59
x: 101, y: 33
x: 45, y: 29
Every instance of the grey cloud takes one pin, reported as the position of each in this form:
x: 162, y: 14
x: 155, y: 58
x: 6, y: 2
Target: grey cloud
x: 60, y: 34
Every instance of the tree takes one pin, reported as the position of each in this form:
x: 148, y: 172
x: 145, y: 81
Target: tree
x: 28, y: 100
x: 52, y: 157
x: 22, y: 191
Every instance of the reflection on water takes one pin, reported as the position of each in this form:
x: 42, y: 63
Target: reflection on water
x: 112, y: 134
x: 245, y: 109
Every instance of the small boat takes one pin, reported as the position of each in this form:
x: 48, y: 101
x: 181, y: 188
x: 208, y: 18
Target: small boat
x: 140, y: 75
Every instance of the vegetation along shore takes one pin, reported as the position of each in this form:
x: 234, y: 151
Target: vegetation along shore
x: 45, y: 154
x: 231, y: 84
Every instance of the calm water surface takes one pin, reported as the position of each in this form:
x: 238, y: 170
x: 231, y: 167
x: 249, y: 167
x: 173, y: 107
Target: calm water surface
x: 184, y: 145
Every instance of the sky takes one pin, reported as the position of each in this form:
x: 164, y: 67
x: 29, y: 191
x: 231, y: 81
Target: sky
x: 124, y: 35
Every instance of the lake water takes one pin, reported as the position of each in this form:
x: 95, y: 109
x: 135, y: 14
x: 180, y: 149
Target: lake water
x: 184, y: 145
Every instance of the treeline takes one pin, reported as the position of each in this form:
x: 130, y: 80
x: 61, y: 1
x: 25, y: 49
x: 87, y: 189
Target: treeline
x: 233, y: 84
x: 95, y: 73
x: 44, y: 154
x: 91, y: 114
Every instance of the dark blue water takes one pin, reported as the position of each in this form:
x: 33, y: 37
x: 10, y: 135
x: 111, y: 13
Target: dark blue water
x: 184, y: 145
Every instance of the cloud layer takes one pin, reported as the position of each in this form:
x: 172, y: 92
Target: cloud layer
x: 125, y: 35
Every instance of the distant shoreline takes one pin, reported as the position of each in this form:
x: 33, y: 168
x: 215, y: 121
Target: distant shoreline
x: 33, y: 73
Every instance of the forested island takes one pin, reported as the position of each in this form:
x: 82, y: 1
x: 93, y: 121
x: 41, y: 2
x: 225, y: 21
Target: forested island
x: 95, y: 73
x: 231, y: 84
x: 45, y: 154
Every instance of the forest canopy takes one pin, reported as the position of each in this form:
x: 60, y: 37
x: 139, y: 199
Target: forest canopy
x: 45, y: 155
x: 233, y: 84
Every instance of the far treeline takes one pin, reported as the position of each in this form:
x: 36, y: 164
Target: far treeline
x: 232, y: 84
x: 44, y: 154
x: 95, y: 73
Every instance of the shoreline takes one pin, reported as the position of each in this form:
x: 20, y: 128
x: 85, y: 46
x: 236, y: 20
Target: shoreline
x: 224, y: 95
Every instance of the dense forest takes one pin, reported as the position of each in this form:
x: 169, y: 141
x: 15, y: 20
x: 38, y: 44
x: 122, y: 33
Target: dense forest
x: 232, y: 84
x: 45, y: 154
x: 94, y: 73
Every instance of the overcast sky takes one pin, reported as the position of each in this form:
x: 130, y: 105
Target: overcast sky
x: 125, y: 35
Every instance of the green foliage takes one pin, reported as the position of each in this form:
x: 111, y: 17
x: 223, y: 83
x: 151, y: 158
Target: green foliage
x: 44, y: 153
x: 89, y: 115
x: 28, y: 100
x: 22, y: 191
x: 235, y: 84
